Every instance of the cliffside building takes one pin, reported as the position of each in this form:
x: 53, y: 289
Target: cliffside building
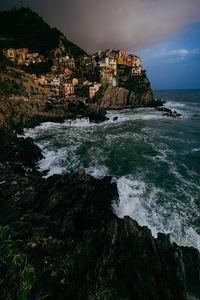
x: 107, y: 77
x: 22, y: 57
x: 93, y: 89
x: 66, y: 89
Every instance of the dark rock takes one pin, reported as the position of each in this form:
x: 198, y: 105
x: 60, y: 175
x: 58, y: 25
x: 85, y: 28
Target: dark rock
x: 156, y: 103
x: 168, y: 112
x: 19, y: 113
x: 16, y: 150
x: 99, y: 256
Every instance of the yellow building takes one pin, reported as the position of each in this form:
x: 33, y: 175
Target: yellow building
x: 11, y: 53
x: 120, y: 61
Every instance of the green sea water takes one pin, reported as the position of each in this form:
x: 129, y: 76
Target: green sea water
x: 155, y: 161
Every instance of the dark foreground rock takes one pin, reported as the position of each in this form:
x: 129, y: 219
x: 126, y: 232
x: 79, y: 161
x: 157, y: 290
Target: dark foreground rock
x: 79, y: 248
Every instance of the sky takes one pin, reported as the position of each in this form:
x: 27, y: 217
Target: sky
x: 166, y: 34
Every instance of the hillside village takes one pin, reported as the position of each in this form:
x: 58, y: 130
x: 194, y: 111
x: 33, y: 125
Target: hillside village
x: 81, y: 76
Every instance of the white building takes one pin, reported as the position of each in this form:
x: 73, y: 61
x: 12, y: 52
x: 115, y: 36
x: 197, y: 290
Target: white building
x: 137, y: 71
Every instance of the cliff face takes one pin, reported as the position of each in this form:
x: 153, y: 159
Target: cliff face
x: 132, y: 91
x: 119, y: 97
x: 96, y: 255
x: 20, y: 95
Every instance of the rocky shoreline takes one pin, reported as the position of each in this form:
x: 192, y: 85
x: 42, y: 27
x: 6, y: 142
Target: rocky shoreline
x: 96, y: 255
x: 18, y: 112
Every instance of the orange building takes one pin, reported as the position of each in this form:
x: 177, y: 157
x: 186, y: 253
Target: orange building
x: 66, y: 89
x: 122, y: 53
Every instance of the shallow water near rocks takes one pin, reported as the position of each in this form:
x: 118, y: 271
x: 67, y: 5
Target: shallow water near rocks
x: 154, y: 160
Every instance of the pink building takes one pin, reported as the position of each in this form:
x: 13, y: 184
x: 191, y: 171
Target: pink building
x: 93, y: 89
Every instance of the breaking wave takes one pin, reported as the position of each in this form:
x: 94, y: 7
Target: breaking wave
x: 154, y: 160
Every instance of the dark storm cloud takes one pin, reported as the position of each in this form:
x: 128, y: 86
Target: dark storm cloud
x: 125, y: 24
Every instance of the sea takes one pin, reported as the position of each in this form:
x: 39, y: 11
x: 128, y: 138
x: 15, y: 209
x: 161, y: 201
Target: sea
x: 154, y: 160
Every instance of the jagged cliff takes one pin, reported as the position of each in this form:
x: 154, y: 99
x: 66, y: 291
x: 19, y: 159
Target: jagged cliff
x: 132, y: 91
x: 95, y: 254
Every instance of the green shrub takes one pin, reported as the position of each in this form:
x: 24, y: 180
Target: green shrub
x: 16, y: 276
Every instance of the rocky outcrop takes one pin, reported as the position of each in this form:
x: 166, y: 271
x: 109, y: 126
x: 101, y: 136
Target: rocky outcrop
x: 142, y: 98
x: 19, y: 112
x: 133, y: 91
x: 119, y: 97
x: 114, y: 97
x: 16, y: 110
x: 96, y: 255
x: 168, y: 112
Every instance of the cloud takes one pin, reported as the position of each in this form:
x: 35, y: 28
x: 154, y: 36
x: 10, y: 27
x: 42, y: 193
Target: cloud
x: 127, y: 24
x: 181, y: 54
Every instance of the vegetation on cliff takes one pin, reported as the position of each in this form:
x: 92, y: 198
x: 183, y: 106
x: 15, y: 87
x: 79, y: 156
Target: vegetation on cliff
x: 137, y: 84
x: 10, y: 87
x: 16, y: 82
x: 17, y: 276
x: 23, y: 28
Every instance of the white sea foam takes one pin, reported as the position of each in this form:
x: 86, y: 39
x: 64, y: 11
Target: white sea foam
x: 195, y: 150
x: 115, y: 117
x: 130, y: 192
x: 97, y: 172
x: 175, y: 104
x: 121, y: 115
x: 181, y: 108
x: 52, y: 162
x: 140, y: 201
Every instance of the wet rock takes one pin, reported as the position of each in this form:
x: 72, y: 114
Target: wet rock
x: 99, y: 256
x: 168, y: 112
x: 19, y: 113
x: 156, y: 103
